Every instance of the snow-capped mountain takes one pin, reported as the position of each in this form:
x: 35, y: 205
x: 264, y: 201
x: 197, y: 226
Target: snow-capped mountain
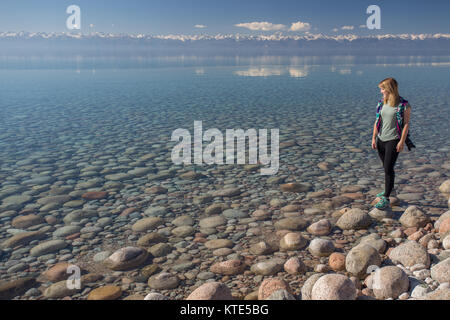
x: 98, y: 43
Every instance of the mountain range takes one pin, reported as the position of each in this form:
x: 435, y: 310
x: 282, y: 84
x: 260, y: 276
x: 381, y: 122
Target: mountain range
x: 108, y: 44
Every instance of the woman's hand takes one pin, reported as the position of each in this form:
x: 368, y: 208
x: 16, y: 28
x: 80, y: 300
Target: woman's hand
x: 374, y: 143
x: 400, y: 146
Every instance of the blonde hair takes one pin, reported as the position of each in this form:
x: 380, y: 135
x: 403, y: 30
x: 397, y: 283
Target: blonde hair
x: 391, y: 86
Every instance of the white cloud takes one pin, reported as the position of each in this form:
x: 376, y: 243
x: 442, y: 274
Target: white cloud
x: 91, y: 25
x: 300, y: 26
x: 263, y: 26
x: 362, y: 26
x: 347, y: 27
x: 335, y: 29
x: 200, y: 26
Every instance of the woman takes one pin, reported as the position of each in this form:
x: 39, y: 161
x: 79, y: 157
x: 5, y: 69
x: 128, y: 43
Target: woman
x: 390, y: 132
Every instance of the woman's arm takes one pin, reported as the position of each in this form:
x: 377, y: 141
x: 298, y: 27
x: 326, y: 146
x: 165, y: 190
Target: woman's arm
x: 406, y: 124
x: 405, y: 130
x: 374, y: 135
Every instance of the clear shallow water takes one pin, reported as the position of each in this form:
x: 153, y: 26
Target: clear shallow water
x: 53, y: 110
x: 65, y: 129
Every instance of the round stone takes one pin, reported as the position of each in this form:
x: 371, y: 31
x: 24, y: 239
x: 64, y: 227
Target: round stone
x: 441, y: 271
x: 333, y: 287
x: 66, y: 231
x: 413, y: 217
x: 183, y: 221
x: 389, y: 282
x: 47, y: 247
x: 321, y: 247
x: 183, y: 231
x: 320, y: 228
x: 94, y: 195
x: 354, y: 219
x: 270, y: 285
x: 126, y: 258
x: 292, y: 241
x: 234, y: 214
x: 292, y: 223
x: 160, y: 249
x: 295, y: 266
x: 336, y: 261
x: 295, y: 187
x: 60, y: 290
x: 444, y: 227
x: 308, y: 285
x: 163, y: 281
x: 105, y: 293
x: 151, y: 239
x: 229, y: 267
x: 409, y: 254
x: 58, y: 272
x: 268, y: 267
x: 155, y: 296
x: 26, y: 221
x: 219, y: 243
x: 212, y: 222
x: 146, y: 224
x: 211, y: 291
x: 360, y: 258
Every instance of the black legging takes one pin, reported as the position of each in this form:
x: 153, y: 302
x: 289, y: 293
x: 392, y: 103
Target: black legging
x: 388, y: 154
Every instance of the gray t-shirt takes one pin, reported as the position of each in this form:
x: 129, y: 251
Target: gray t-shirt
x: 389, y: 128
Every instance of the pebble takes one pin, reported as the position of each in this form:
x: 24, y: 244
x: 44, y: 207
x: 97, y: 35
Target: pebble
x: 269, y: 267
x: 47, y: 247
x: 163, y: 281
x: 321, y: 247
x: 270, y: 285
x: 105, y: 293
x: 211, y: 291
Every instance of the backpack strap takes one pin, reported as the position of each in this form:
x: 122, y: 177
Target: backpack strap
x: 378, y: 115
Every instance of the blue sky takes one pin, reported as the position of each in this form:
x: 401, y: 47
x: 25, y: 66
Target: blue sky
x: 180, y: 16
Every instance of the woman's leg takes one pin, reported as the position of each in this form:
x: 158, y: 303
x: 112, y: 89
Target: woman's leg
x: 381, y: 150
x: 390, y: 158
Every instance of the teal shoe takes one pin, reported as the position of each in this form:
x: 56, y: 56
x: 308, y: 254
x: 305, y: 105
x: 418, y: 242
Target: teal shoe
x: 383, y: 203
x: 380, y: 194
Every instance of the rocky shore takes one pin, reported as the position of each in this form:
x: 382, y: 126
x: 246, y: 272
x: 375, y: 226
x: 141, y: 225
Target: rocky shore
x: 158, y: 232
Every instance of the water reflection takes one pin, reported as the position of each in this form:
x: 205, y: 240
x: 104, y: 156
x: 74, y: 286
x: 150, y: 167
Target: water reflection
x: 293, y: 72
x: 142, y: 62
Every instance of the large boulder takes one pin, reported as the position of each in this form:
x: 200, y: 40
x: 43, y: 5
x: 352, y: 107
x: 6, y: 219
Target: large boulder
x: 409, y: 254
x: 441, y: 271
x: 445, y: 187
x: 354, y: 219
x: 308, y: 286
x: 321, y: 247
x: 414, y: 217
x: 389, y: 282
x: 333, y: 287
x: 374, y: 240
x: 270, y: 285
x: 360, y: 258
